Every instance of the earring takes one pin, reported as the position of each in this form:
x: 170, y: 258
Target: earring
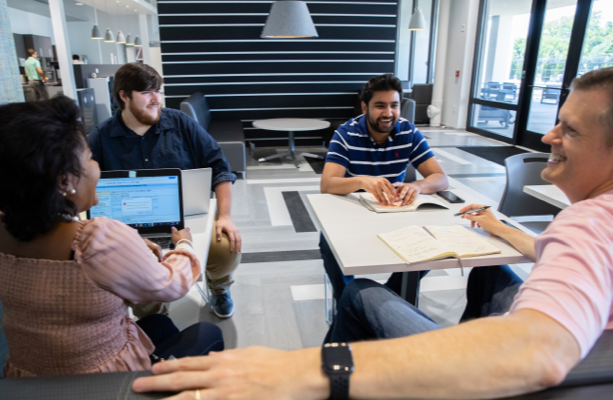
x: 72, y: 191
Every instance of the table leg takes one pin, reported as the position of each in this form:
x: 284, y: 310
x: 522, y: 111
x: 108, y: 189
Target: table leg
x: 292, y: 153
x: 410, y: 287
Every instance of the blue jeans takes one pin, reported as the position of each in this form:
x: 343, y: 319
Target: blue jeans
x: 196, y: 340
x: 339, y: 281
x: 368, y: 310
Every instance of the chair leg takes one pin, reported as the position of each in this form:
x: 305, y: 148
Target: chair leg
x: 205, y: 293
x: 329, y: 302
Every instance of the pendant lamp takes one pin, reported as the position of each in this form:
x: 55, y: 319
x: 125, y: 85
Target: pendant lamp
x: 96, y: 34
x: 289, y: 19
x: 418, y: 23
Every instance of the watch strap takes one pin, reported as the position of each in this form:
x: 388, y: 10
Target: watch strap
x: 339, y: 387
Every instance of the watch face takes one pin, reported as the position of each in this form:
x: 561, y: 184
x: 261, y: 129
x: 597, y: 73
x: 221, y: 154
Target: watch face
x: 336, y: 358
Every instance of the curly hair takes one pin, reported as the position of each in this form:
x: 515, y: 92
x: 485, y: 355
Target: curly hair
x: 381, y: 83
x: 39, y: 143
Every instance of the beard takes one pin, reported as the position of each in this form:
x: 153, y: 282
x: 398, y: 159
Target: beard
x: 374, y: 124
x: 143, y: 117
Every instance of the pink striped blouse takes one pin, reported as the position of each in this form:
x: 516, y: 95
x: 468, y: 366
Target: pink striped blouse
x: 70, y: 317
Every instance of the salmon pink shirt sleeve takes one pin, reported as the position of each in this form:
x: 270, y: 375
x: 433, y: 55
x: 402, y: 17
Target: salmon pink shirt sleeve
x: 117, y: 259
x: 572, y: 280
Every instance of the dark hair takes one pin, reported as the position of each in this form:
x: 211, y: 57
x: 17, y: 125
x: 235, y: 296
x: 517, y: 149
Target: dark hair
x: 600, y: 79
x: 135, y: 77
x: 76, y: 57
x: 31, y: 52
x: 381, y: 83
x: 39, y: 142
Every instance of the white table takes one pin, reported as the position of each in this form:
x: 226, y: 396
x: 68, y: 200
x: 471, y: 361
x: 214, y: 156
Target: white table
x: 351, y: 231
x: 548, y: 193
x: 291, y: 125
x: 201, y: 227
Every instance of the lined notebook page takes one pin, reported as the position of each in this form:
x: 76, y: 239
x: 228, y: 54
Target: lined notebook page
x: 462, y: 241
x: 414, y: 244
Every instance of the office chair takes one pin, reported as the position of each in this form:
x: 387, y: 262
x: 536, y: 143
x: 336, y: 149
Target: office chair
x: 525, y: 169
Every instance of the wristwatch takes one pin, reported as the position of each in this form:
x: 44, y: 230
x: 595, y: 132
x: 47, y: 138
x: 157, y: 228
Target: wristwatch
x: 337, y: 364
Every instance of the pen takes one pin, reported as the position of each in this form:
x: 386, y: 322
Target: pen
x: 471, y: 211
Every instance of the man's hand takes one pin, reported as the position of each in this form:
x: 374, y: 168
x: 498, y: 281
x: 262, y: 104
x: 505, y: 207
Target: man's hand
x: 407, y: 192
x: 483, y: 219
x: 155, y: 248
x: 45, y: 79
x: 381, y: 188
x: 225, y: 224
x: 253, y: 373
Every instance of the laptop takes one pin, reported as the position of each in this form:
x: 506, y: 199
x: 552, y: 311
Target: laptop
x: 196, y: 190
x: 148, y: 200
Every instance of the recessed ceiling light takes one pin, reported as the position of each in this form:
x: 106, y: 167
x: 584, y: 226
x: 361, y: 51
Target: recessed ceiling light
x: 78, y: 4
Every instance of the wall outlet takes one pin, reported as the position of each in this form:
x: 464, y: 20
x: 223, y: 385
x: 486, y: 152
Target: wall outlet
x: 97, y: 71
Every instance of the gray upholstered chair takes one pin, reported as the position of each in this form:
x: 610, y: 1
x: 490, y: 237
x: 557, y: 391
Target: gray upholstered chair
x: 229, y: 134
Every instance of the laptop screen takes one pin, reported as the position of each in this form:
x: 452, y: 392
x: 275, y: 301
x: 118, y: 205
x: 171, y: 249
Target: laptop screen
x: 150, y: 204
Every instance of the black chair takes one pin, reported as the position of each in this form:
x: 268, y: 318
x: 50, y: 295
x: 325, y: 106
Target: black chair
x: 525, y: 169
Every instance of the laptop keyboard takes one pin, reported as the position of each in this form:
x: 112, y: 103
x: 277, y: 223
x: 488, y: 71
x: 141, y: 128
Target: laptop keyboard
x: 163, y: 242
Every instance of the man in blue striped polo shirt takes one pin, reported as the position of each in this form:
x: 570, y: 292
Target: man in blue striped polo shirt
x: 371, y: 153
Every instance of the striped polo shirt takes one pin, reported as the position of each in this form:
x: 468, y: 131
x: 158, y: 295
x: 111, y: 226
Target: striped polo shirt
x: 353, y: 148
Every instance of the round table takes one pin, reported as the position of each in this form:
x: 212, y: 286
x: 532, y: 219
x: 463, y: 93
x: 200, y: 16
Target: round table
x: 291, y: 125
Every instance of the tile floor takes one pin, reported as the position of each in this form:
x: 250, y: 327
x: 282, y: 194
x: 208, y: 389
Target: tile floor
x: 279, y: 289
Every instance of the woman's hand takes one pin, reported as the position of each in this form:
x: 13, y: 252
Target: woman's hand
x: 155, y: 248
x: 180, y: 234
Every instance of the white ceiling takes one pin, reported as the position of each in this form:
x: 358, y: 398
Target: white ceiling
x: 519, y: 7
x: 84, y: 12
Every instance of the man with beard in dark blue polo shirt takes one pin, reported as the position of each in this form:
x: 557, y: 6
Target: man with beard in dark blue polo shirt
x: 371, y: 153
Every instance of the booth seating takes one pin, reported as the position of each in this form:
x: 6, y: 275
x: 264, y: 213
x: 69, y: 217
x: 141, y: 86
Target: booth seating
x: 229, y: 134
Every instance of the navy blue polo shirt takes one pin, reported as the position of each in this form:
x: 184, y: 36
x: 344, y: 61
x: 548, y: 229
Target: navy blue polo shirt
x: 354, y: 148
x: 175, y: 141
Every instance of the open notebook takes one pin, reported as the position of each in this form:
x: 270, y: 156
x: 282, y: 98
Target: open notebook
x: 414, y: 243
x: 422, y: 202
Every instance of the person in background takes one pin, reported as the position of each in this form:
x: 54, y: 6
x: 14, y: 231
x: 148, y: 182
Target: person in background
x: 371, y: 153
x: 36, y: 76
x: 76, y: 59
x: 144, y: 135
x: 66, y: 283
x: 556, y: 317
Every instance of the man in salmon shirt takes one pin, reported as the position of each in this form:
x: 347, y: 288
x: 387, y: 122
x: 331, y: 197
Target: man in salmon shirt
x: 554, y: 320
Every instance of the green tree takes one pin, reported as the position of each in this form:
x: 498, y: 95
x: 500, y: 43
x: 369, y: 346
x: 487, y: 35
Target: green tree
x: 597, y: 47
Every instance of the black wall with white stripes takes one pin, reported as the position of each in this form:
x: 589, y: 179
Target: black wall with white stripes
x: 215, y: 47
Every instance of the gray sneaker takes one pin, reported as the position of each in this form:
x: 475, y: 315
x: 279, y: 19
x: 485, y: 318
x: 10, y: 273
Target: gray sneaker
x: 222, y: 305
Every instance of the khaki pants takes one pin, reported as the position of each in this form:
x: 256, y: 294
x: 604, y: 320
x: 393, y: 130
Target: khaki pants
x: 220, y: 267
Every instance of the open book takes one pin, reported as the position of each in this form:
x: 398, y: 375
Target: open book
x: 414, y: 244
x: 422, y: 202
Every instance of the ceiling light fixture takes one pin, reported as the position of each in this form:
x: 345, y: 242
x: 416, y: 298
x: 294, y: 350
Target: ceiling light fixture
x: 96, y: 34
x: 418, y: 23
x: 289, y: 19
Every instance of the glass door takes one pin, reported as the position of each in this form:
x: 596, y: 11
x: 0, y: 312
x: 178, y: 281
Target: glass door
x: 545, y: 44
x: 497, y: 78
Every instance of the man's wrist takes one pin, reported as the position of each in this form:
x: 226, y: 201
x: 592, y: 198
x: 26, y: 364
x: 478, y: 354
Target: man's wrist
x: 312, y: 383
